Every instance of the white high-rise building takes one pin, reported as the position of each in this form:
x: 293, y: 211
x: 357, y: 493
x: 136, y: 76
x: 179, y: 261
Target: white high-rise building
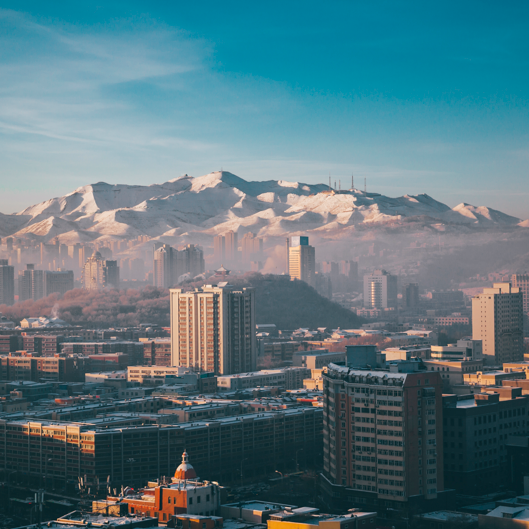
x: 213, y: 329
x: 301, y: 259
x: 380, y: 290
x: 497, y: 320
x: 99, y: 273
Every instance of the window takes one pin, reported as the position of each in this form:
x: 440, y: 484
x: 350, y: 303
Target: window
x: 190, y: 501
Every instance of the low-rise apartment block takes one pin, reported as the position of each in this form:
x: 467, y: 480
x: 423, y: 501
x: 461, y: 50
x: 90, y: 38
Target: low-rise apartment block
x: 224, y: 449
x: 317, y: 358
x: 288, y: 378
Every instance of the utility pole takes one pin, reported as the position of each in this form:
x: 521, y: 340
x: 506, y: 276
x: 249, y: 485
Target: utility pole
x: 39, y: 500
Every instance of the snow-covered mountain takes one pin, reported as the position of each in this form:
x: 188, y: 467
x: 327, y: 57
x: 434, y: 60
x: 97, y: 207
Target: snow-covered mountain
x: 199, y: 208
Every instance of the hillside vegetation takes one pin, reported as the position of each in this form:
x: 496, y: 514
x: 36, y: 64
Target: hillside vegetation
x: 287, y: 304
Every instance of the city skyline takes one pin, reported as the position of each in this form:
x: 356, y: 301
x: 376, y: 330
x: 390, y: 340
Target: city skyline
x: 413, y: 100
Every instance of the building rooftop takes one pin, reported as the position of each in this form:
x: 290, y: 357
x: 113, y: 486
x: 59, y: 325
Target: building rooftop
x: 77, y: 519
x: 513, y: 513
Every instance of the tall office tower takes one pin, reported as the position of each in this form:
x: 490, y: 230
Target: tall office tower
x: 7, y: 283
x: 521, y: 281
x: 382, y: 436
x: 333, y: 270
x: 380, y: 290
x: 497, y: 320
x: 411, y: 295
x: 213, y: 329
x: 30, y: 284
x: 164, y: 275
x: 287, y: 260
x: 349, y: 269
x: 219, y: 248
x: 192, y: 259
x: 111, y: 274
x: 58, y: 282
x: 82, y: 254
x: 99, y: 274
x: 231, y: 247
x: 252, y: 247
x: 301, y: 260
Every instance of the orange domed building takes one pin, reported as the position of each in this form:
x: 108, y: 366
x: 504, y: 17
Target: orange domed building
x: 185, y: 470
x: 186, y: 494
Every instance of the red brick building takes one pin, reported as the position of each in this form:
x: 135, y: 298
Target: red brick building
x: 383, y: 440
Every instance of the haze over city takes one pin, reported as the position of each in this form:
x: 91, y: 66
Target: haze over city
x: 264, y: 266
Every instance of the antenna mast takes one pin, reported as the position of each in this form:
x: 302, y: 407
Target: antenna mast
x: 352, y: 181
x: 365, y: 185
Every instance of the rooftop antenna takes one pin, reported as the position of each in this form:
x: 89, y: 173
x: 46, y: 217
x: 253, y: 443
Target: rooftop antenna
x: 352, y: 181
x: 330, y: 187
x: 365, y: 185
x: 335, y: 184
x: 339, y: 185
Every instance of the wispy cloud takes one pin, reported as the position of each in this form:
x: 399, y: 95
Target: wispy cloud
x: 69, y: 84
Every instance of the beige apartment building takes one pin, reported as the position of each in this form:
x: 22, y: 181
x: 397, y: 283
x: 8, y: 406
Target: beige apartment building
x: 213, y: 329
x: 497, y: 320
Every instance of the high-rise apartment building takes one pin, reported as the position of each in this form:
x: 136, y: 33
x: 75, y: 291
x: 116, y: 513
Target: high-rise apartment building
x: 164, y: 267
x: 170, y: 264
x: 58, y: 282
x: 252, y: 247
x: 411, y: 296
x: 192, y: 259
x: 99, y: 273
x: 231, y: 247
x: 521, y: 281
x: 219, y: 248
x: 497, y: 320
x: 225, y: 247
x: 7, y: 283
x: 301, y: 259
x: 383, y: 441
x: 349, y: 269
x: 30, y: 283
x: 380, y: 290
x: 213, y: 329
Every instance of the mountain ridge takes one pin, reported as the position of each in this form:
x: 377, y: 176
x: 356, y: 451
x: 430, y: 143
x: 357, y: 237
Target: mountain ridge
x: 204, y: 206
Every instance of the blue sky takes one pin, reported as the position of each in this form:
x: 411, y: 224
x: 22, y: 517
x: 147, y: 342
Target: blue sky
x: 416, y: 97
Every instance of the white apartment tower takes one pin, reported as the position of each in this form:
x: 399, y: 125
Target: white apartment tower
x: 213, y: 329
x: 497, y: 320
x: 380, y: 290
